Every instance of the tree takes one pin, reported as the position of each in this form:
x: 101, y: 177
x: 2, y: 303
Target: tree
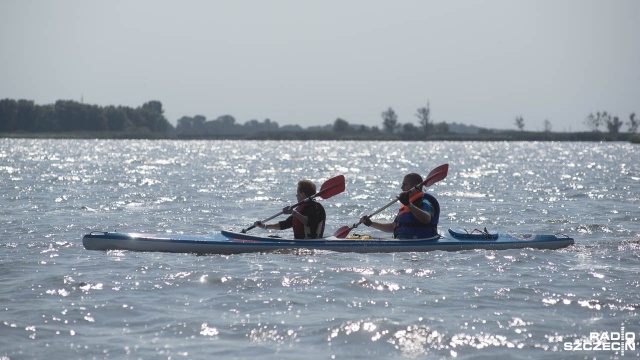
x: 153, y: 116
x: 68, y: 115
x: 223, y: 125
x: 613, y: 125
x: 116, y: 118
x: 185, y: 124
x: 25, y: 116
x: 341, y: 125
x: 95, y: 118
x: 47, y: 118
x: 227, y: 120
x: 547, y: 125
x: 520, y: 122
x: 441, y: 128
x: 198, y: 122
x: 8, y: 114
x: 136, y: 117
x: 424, y: 116
x: 594, y: 121
x: 591, y: 122
x: 153, y: 106
x: 389, y: 120
x: 633, y: 123
x: 409, y: 128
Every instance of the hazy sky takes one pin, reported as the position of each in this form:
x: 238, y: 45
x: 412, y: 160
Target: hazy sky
x: 310, y: 62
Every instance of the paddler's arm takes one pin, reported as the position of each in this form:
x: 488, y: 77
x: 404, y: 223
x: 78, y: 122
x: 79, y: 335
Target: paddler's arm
x: 285, y: 224
x: 386, y: 227
x: 302, y: 218
x: 420, y: 214
x: 261, y: 225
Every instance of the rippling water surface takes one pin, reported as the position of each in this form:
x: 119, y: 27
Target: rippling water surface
x: 58, y: 300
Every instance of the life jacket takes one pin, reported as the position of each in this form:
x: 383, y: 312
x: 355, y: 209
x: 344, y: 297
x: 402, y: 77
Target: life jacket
x: 315, y: 224
x: 409, y: 227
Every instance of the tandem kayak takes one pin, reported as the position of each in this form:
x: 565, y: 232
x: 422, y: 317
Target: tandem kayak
x: 226, y: 242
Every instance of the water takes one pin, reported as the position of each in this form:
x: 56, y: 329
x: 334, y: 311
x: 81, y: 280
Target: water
x: 59, y: 301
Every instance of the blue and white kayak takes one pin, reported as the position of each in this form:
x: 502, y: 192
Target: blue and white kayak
x: 226, y: 242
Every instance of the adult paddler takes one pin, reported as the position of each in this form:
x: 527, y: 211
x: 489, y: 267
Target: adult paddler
x: 418, y: 215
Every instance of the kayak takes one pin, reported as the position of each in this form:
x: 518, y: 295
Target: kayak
x: 226, y: 242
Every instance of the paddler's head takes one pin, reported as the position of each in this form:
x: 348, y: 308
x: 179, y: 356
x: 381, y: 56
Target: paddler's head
x: 306, y: 188
x: 411, y: 180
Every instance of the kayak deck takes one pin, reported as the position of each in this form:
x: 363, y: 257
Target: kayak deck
x: 476, y: 234
x: 226, y: 242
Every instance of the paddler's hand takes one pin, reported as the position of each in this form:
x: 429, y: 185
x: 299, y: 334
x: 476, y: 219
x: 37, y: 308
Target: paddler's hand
x: 404, y: 198
x: 365, y: 220
x: 260, y: 225
x: 287, y: 210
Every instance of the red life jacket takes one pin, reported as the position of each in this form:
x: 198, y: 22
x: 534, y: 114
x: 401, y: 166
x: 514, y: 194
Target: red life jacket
x: 316, y: 216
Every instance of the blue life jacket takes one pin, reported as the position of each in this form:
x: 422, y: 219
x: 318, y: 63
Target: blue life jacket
x: 409, y: 227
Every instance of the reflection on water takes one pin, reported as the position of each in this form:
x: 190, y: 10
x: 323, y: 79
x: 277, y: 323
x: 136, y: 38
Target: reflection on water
x: 59, y: 298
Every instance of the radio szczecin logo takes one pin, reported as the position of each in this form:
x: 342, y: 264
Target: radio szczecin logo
x: 604, y: 341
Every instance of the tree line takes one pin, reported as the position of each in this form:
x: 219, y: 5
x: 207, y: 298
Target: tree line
x: 148, y: 120
x: 612, y: 123
x: 73, y: 116
x: 226, y: 126
x: 593, y: 122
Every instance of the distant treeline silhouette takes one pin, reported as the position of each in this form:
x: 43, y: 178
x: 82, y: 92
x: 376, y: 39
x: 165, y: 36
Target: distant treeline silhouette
x: 73, y: 116
x: 226, y: 126
x: 68, y: 118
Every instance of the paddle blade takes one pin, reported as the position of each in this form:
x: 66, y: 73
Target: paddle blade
x: 436, y: 175
x: 342, y: 232
x: 332, y: 187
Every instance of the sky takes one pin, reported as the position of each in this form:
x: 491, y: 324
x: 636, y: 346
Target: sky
x: 474, y: 62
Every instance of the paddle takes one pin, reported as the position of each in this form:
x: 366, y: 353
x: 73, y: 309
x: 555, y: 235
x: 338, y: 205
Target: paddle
x: 331, y: 187
x: 434, y: 176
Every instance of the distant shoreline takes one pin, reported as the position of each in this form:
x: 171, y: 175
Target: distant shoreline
x: 68, y: 119
x: 337, y: 136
